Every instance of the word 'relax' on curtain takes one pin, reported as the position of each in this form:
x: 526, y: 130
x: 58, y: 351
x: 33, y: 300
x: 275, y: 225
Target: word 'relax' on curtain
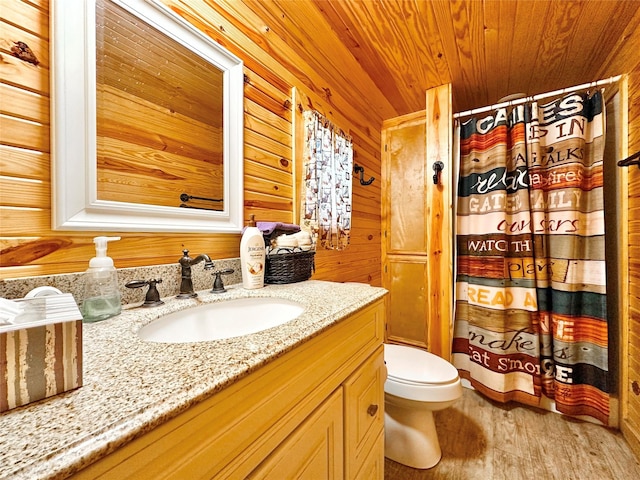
x: 326, y: 200
x: 530, y: 288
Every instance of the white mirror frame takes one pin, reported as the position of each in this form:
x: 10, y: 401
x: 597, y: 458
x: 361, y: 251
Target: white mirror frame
x: 75, y: 205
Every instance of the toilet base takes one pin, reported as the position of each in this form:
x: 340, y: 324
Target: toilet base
x: 410, y: 437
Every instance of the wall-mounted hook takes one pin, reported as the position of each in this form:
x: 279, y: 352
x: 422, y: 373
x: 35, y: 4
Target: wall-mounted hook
x: 632, y: 160
x: 358, y: 169
x: 437, y: 167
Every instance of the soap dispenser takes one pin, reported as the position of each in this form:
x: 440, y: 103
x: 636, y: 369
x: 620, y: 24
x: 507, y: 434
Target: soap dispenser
x: 101, y: 291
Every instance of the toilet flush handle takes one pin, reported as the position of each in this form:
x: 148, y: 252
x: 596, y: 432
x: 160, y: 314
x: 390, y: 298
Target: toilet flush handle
x: 372, y: 410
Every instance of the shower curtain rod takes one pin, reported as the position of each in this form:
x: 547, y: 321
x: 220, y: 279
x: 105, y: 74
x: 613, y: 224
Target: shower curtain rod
x: 607, y: 81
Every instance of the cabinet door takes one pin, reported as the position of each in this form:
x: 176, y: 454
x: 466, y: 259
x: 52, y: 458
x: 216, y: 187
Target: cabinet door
x: 417, y: 247
x: 364, y: 418
x: 373, y: 465
x: 314, y: 451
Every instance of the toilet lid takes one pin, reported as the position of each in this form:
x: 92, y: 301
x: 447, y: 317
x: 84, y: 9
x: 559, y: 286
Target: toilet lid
x: 411, y: 365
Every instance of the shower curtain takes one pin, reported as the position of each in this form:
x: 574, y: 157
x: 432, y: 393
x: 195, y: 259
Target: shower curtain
x: 530, y: 287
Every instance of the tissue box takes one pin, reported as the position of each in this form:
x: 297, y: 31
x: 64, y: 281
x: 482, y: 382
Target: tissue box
x: 41, y: 351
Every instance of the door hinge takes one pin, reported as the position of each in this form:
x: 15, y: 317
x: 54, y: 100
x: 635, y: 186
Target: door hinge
x: 385, y: 147
x: 385, y: 269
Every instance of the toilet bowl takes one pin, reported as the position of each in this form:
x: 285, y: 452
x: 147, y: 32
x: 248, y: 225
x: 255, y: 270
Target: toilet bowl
x: 418, y: 383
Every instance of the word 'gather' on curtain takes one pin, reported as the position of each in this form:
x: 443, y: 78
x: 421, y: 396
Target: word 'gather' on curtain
x: 326, y: 200
x: 531, y: 314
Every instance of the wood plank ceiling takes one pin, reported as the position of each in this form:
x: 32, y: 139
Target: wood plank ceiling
x: 487, y: 49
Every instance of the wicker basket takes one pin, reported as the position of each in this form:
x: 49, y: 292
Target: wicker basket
x: 289, y: 267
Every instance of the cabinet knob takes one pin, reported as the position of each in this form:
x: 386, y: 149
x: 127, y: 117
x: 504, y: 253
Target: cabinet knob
x: 372, y: 410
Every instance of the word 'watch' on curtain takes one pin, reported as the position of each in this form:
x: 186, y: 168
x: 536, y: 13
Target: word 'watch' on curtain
x: 326, y: 200
x: 530, y: 289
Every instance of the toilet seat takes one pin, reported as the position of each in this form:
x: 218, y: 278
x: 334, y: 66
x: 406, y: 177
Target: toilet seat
x: 415, y: 374
x: 417, y: 367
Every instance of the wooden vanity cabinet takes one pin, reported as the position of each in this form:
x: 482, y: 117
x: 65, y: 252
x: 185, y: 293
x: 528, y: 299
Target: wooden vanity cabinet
x: 314, y: 450
x: 364, y: 419
x: 316, y: 412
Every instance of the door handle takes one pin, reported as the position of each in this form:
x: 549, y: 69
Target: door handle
x: 437, y: 167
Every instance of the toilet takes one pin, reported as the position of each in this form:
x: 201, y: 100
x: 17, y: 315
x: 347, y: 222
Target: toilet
x: 418, y: 383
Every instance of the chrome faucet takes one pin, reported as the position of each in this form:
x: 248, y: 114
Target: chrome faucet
x: 186, y: 262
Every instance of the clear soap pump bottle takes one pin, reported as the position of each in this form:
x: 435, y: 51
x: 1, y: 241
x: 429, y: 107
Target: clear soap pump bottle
x: 101, y: 291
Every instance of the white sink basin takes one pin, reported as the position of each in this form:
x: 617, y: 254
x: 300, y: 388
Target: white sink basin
x: 215, y: 321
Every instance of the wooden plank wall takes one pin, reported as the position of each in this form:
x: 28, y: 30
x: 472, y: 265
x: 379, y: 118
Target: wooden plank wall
x: 631, y: 421
x: 625, y: 59
x: 276, y: 61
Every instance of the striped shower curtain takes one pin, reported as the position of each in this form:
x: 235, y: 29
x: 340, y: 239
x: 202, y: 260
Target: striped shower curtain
x: 530, y: 288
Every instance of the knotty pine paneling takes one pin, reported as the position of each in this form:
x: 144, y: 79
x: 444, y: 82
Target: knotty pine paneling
x: 21, y: 74
x: 485, y: 49
x: 24, y: 105
x: 23, y: 163
x: 630, y: 423
x: 275, y: 62
x: 380, y: 44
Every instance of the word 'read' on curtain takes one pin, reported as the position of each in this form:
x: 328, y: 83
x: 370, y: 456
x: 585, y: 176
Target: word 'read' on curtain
x: 327, y: 192
x: 531, y: 316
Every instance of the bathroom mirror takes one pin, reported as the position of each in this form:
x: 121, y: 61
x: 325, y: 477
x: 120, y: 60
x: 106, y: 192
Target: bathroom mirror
x: 147, y: 119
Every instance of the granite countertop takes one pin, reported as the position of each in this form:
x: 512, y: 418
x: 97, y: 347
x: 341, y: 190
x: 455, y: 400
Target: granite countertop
x: 131, y: 386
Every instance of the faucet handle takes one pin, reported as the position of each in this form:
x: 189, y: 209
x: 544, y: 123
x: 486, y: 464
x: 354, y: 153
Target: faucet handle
x: 152, y: 299
x: 218, y: 285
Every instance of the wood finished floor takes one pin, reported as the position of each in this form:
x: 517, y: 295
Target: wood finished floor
x: 484, y: 440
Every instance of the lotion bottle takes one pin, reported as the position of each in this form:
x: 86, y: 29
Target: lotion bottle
x: 101, y: 291
x: 252, y: 256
